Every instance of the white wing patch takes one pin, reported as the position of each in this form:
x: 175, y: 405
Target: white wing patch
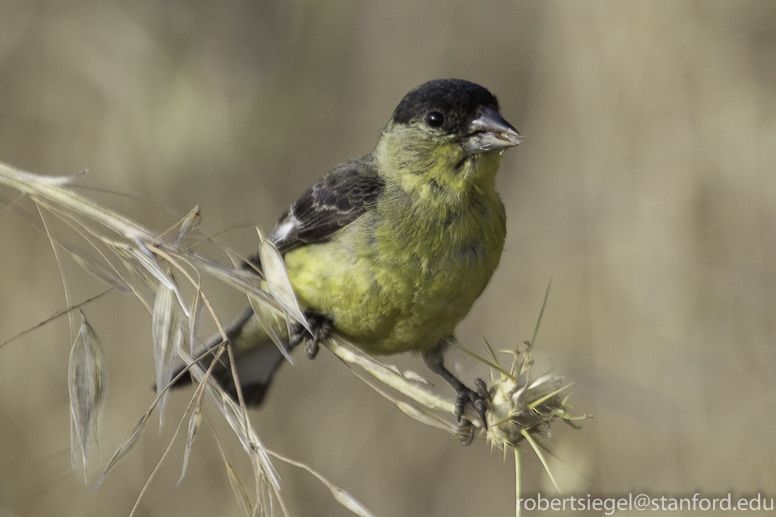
x: 281, y: 231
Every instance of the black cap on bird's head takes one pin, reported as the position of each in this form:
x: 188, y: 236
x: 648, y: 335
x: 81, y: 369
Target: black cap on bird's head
x: 461, y: 108
x: 456, y: 98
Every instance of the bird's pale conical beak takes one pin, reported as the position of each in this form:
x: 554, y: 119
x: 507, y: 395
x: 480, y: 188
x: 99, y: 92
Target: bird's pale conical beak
x: 489, y: 132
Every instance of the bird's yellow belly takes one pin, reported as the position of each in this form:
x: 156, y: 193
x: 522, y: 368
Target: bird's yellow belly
x: 394, y: 293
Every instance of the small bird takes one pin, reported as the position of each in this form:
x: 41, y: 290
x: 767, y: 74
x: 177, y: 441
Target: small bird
x: 390, y: 250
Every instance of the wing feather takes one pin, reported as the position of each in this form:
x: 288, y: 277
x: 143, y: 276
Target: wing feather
x: 338, y: 199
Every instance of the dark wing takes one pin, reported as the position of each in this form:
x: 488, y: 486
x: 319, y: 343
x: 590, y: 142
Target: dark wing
x: 336, y: 200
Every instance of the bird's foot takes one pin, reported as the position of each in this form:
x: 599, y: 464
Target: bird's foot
x: 320, y: 329
x: 479, y: 398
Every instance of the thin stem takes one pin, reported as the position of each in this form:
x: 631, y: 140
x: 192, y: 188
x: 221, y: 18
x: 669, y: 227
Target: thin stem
x: 518, y: 484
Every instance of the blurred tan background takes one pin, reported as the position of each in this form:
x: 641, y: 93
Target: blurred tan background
x: 645, y: 188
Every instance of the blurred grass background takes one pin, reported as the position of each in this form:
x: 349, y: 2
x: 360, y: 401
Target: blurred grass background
x: 645, y: 188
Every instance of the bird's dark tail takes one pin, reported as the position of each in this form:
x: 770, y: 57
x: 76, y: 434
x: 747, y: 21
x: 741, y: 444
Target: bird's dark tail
x: 257, y: 358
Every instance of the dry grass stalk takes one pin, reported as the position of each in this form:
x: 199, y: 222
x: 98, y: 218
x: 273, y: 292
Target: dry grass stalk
x: 137, y: 260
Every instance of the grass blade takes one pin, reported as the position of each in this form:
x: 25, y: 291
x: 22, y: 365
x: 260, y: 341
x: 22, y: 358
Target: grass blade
x: 277, y: 281
x: 194, y: 423
x: 130, y: 439
x: 541, y: 313
x: 167, y: 334
x: 86, y: 377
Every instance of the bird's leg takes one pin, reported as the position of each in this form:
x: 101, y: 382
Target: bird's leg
x: 478, y: 399
x: 320, y: 327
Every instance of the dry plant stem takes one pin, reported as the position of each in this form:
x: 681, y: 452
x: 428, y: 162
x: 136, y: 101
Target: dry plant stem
x: 39, y: 188
x: 139, y: 425
x: 246, y: 428
x: 243, y: 408
x: 196, y: 398
x: 60, y: 266
x: 391, y: 377
x: 56, y: 315
x: 409, y: 409
x: 344, y: 498
x: 518, y: 485
x: 247, y: 435
x: 49, y: 188
x: 490, y: 364
x: 42, y: 187
x: 240, y: 399
x: 132, y: 253
x: 535, y: 447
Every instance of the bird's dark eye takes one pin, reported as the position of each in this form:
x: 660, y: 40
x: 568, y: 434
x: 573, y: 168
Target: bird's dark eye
x: 435, y: 119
